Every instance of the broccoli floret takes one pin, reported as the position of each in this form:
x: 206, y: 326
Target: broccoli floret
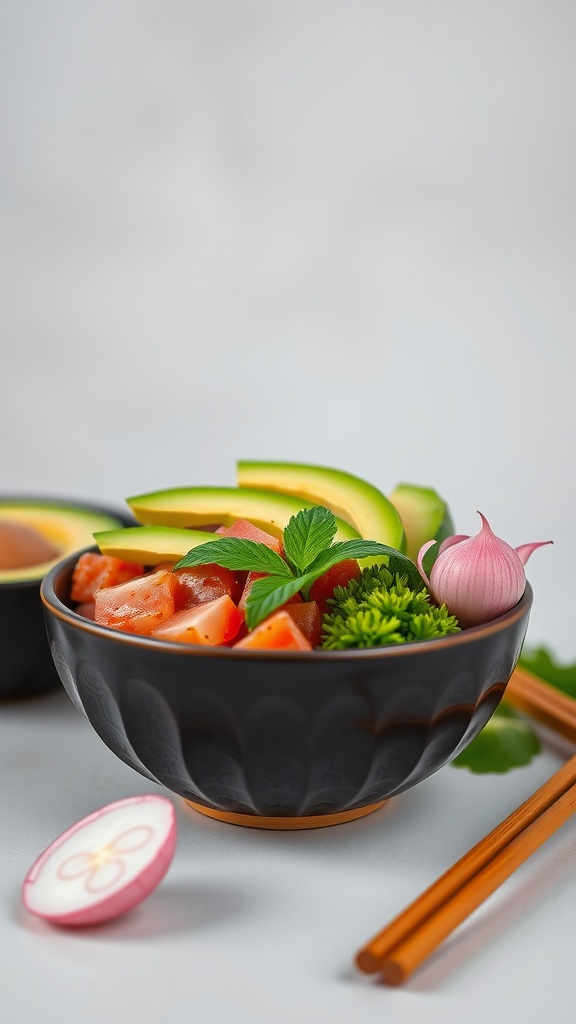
x: 379, y: 609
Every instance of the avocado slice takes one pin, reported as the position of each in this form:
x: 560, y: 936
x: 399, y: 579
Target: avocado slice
x: 202, y: 506
x: 424, y: 513
x: 151, y: 545
x: 44, y: 532
x: 354, y: 500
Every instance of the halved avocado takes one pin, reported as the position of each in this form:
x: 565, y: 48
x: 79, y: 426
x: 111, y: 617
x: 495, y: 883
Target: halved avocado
x: 354, y: 500
x: 37, y: 534
x: 202, y: 506
x: 424, y: 513
x: 151, y: 545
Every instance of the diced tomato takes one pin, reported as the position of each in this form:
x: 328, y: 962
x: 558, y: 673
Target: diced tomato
x: 278, y: 632
x: 139, y: 605
x: 250, y: 580
x: 306, y: 615
x: 338, y: 576
x: 247, y: 531
x: 242, y: 632
x: 94, y: 571
x: 211, y: 623
x: 200, y: 583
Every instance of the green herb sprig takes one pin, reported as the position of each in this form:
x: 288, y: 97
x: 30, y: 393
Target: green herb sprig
x: 309, y: 551
x: 508, y: 740
x: 505, y: 742
x: 543, y: 663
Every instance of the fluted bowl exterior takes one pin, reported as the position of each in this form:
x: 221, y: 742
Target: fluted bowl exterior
x: 282, y: 733
x: 27, y: 666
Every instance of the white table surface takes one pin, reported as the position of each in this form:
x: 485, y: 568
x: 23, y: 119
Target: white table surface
x: 253, y: 925
x: 334, y: 232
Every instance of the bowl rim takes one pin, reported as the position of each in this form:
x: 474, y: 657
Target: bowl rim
x: 54, y: 606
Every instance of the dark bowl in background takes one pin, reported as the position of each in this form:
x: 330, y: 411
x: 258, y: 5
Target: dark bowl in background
x: 282, y: 739
x: 27, y: 667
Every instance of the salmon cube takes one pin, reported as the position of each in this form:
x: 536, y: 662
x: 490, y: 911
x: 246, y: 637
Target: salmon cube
x: 210, y: 623
x: 200, y: 583
x: 139, y: 605
x: 94, y: 571
x: 277, y: 632
x: 247, y: 531
x: 306, y: 615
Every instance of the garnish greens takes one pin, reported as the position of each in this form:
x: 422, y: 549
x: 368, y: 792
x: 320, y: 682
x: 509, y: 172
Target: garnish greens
x: 505, y: 742
x: 508, y: 741
x: 541, y: 662
x: 309, y: 550
x: 380, y: 608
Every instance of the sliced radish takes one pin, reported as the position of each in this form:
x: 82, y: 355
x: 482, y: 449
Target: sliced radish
x: 104, y: 864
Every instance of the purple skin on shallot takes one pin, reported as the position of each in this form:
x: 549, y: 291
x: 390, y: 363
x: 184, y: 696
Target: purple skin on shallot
x: 105, y: 864
x: 477, y: 578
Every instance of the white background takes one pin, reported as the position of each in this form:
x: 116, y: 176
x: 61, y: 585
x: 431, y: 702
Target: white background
x: 334, y: 231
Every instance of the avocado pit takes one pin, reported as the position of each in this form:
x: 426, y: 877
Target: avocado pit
x: 22, y: 546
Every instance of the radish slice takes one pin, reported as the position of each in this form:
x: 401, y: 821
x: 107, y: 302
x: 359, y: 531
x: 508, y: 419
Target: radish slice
x: 104, y: 864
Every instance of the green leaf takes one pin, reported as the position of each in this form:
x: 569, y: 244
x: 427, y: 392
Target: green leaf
x: 307, y: 534
x: 397, y: 562
x: 430, y: 557
x: 309, y: 550
x: 541, y: 662
x: 267, y: 594
x: 235, y: 553
x: 505, y: 742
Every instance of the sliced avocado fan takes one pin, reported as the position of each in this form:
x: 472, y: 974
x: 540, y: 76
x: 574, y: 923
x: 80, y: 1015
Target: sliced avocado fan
x: 352, y: 499
x: 202, y: 506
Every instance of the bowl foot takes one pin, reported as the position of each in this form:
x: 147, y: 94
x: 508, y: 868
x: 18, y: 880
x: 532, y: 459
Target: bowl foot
x: 290, y: 822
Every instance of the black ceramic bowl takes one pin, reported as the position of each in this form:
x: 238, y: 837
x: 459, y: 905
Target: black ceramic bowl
x: 282, y: 739
x: 26, y: 666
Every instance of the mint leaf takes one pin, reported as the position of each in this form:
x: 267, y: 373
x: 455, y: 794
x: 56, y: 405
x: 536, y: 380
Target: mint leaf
x: 267, y: 594
x: 542, y: 664
x: 307, y: 534
x: 235, y: 553
x: 310, y: 551
x: 505, y: 742
x: 397, y: 562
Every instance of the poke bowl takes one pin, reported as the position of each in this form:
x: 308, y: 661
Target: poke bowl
x: 280, y: 738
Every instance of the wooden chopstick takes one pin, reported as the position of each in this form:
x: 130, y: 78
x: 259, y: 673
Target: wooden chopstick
x: 400, y: 947
x: 416, y: 933
x: 543, y: 702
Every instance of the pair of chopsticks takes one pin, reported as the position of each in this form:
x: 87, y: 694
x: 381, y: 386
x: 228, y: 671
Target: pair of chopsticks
x: 406, y: 942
